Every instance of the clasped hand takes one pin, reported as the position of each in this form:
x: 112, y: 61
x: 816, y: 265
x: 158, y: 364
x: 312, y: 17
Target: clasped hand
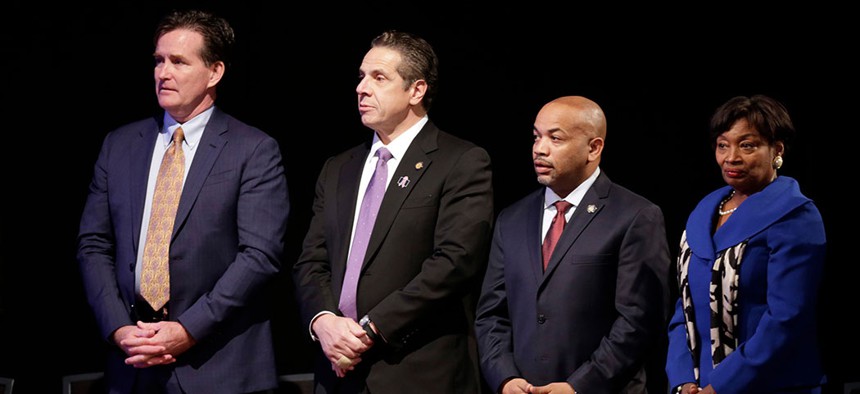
x: 341, y: 337
x: 149, y: 344
x: 521, y: 386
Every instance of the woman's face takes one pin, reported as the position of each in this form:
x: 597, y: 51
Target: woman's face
x: 745, y: 158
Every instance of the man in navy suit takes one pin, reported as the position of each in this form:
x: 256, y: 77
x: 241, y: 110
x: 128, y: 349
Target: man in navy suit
x: 213, y: 334
x: 587, y: 322
x: 408, y: 322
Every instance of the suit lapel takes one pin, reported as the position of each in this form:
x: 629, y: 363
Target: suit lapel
x: 590, y: 206
x: 347, y: 193
x: 211, y: 143
x: 347, y: 186
x: 139, y: 164
x: 533, y: 230
x: 409, y: 173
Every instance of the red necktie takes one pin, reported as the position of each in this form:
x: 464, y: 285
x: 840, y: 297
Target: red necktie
x: 555, y: 230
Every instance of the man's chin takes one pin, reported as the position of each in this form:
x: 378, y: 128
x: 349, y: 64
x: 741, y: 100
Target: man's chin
x: 368, y: 121
x: 167, y: 103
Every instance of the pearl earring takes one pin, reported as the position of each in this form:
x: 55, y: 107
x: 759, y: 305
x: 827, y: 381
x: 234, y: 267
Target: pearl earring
x: 777, y: 162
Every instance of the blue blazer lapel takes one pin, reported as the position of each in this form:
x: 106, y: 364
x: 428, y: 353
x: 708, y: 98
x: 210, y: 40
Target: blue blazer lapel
x: 139, y: 164
x: 534, y: 220
x: 211, y: 143
x: 590, y: 206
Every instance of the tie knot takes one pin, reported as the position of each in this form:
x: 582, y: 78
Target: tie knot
x: 562, y: 206
x: 178, y: 136
x: 383, y: 154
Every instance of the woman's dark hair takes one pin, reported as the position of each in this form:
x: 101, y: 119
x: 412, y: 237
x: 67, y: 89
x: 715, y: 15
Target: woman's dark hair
x: 766, y: 115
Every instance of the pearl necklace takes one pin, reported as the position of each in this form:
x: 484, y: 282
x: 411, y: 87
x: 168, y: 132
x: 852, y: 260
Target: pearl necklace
x: 723, y: 203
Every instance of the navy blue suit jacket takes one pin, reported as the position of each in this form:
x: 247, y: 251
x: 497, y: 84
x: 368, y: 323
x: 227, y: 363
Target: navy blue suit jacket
x: 599, y: 308
x: 226, y: 245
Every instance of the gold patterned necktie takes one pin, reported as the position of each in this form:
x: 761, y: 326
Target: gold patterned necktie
x: 155, y: 275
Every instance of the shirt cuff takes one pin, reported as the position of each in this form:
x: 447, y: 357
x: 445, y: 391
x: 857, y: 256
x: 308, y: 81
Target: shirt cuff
x: 311, y: 325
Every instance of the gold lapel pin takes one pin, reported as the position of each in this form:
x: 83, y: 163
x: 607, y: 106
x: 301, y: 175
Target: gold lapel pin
x: 419, y: 165
x: 591, y: 208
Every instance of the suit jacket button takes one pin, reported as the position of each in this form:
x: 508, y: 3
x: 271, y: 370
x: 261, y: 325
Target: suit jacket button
x: 541, y: 318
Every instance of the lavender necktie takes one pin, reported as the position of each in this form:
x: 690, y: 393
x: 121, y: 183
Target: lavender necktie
x: 361, y: 234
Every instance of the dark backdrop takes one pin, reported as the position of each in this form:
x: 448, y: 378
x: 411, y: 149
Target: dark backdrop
x: 74, y: 71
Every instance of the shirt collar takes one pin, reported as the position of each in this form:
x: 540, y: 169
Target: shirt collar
x: 399, y: 145
x: 193, y: 128
x: 575, y: 197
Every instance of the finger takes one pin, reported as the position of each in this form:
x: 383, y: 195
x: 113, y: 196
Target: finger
x: 160, y: 360
x: 138, y: 341
x: 144, y: 325
x: 337, y: 371
x: 137, y: 361
x: 146, y: 329
x: 344, y: 362
x: 146, y: 350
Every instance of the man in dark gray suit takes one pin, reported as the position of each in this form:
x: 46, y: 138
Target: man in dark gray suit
x: 404, y: 321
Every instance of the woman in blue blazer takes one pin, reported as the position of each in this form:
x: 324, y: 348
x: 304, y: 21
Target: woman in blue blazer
x: 750, y: 267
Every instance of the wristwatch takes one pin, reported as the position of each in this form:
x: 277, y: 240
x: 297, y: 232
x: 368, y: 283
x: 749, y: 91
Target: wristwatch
x: 679, y: 388
x: 365, y: 324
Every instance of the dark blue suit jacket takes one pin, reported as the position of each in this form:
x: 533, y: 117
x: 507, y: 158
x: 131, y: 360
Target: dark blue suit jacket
x: 599, y: 308
x: 226, y: 245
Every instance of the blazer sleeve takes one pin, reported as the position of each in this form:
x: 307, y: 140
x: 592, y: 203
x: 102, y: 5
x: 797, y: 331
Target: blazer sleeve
x: 312, y: 272
x: 97, y: 246
x: 262, y: 210
x: 794, y: 271
x: 493, y: 326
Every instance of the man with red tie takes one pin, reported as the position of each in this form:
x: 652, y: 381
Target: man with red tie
x: 573, y: 307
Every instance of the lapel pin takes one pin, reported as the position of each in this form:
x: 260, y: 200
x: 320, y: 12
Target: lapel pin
x: 403, y: 181
x: 419, y: 165
x: 591, y: 208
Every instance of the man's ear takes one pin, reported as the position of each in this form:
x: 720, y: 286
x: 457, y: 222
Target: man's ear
x: 216, y: 72
x: 419, y: 88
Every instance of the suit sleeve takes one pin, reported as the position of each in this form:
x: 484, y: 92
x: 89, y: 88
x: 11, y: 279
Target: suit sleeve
x: 312, y: 272
x: 97, y: 250
x: 641, y: 302
x: 493, y: 326
x: 262, y: 210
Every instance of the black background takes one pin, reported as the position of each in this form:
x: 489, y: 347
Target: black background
x: 74, y: 71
